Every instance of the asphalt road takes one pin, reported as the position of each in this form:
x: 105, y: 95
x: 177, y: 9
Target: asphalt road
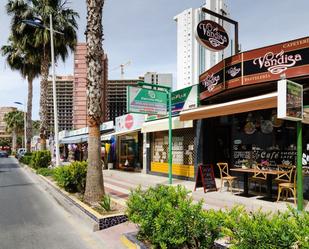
x: 30, y: 218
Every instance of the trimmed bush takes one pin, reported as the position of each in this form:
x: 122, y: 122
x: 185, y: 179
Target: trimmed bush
x: 26, y: 159
x: 261, y: 230
x: 45, y: 171
x: 168, y: 218
x: 40, y: 159
x: 72, y: 177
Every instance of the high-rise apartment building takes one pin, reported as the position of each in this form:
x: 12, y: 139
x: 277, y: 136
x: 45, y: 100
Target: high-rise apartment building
x: 64, y: 90
x: 164, y: 79
x: 3, y: 111
x: 80, y: 80
x: 192, y: 58
x: 116, y: 99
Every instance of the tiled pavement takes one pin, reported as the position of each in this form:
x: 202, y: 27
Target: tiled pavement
x: 118, y: 185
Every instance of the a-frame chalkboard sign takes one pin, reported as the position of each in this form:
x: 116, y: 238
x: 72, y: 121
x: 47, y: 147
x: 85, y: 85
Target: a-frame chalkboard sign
x: 205, y: 178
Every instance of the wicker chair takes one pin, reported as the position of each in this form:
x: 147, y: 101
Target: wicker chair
x: 288, y: 187
x: 225, y: 176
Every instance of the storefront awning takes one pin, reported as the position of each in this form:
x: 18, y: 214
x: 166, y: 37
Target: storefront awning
x: 107, y: 137
x: 261, y: 102
x: 118, y: 133
x: 162, y: 125
x: 74, y: 139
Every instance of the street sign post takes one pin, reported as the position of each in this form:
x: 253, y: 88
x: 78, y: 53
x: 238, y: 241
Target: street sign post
x: 156, y: 102
x: 146, y: 101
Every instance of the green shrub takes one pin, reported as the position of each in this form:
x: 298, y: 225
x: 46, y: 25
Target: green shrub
x: 26, y: 159
x: 259, y: 230
x: 72, y: 177
x: 168, y: 218
x: 45, y: 171
x: 40, y: 159
x: 106, y: 203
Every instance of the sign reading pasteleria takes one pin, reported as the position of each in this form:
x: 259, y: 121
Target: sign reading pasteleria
x: 257, y: 66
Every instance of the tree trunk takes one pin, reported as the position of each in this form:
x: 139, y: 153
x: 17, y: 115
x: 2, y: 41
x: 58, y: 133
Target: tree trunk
x: 14, y: 140
x: 29, y: 115
x: 43, y: 101
x: 94, y: 182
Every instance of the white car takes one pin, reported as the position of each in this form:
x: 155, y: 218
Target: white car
x: 20, y: 152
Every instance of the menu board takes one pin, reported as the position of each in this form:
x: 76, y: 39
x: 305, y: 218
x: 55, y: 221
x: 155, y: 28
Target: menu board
x: 205, y: 178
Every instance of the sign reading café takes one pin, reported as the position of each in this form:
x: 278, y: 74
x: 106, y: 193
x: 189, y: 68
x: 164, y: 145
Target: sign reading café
x: 257, y: 66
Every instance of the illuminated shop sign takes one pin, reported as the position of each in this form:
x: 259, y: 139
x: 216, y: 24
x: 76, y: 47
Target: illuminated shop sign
x: 257, y: 66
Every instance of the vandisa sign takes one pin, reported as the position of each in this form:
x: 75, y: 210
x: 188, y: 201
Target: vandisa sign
x: 212, y: 35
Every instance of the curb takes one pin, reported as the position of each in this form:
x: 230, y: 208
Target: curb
x: 101, y: 221
x: 129, y: 240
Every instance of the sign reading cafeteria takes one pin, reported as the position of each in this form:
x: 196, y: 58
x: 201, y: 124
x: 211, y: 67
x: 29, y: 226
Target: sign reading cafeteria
x: 212, y: 35
x: 146, y: 101
x: 257, y: 66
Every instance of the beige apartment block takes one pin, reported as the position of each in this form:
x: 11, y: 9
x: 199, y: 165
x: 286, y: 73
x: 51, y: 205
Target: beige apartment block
x: 3, y: 111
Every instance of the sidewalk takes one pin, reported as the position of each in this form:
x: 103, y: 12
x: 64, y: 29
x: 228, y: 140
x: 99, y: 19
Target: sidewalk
x: 118, y: 184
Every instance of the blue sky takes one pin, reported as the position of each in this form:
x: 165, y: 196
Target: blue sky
x: 144, y: 32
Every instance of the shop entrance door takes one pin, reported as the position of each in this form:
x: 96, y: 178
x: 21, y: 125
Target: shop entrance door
x: 217, y: 143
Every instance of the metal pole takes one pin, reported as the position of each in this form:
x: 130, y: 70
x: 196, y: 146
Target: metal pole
x: 222, y: 17
x: 54, y: 91
x: 25, y: 129
x: 170, y: 160
x: 299, y: 170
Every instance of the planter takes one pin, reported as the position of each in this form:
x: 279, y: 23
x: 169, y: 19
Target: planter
x: 101, y: 221
x: 110, y: 166
x: 130, y: 241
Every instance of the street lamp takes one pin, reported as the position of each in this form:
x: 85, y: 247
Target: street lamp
x: 25, y: 125
x: 38, y: 24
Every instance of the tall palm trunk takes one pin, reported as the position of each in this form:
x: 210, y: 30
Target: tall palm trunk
x: 14, y: 140
x: 94, y: 182
x: 43, y: 100
x: 29, y: 114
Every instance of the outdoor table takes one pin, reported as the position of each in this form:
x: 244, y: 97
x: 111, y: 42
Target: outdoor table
x: 269, y: 174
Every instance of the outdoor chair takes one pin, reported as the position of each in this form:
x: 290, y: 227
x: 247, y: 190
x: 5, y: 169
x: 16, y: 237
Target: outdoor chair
x: 258, y: 178
x: 225, y: 176
x: 288, y: 187
x: 286, y: 176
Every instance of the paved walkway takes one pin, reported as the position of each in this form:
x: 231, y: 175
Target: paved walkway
x: 118, y: 185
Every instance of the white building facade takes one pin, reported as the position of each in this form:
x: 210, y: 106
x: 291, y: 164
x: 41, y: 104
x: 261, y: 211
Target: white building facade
x: 164, y: 79
x: 192, y: 58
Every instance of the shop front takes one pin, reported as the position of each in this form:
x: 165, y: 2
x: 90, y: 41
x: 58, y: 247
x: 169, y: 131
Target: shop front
x: 237, y: 119
x: 183, y: 153
x: 74, y: 144
x: 183, y: 138
x: 129, y: 142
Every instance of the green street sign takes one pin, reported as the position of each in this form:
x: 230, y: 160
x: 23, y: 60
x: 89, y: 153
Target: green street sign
x: 146, y: 101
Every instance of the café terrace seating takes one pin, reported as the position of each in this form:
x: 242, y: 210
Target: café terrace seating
x: 225, y: 176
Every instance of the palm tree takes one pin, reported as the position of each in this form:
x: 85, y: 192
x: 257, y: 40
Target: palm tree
x: 64, y: 20
x: 94, y: 36
x: 27, y: 62
x: 14, y: 124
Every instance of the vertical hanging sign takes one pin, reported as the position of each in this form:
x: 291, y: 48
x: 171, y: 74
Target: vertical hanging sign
x: 290, y: 100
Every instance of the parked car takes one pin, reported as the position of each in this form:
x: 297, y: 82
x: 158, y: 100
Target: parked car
x: 20, y: 152
x: 3, y: 153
